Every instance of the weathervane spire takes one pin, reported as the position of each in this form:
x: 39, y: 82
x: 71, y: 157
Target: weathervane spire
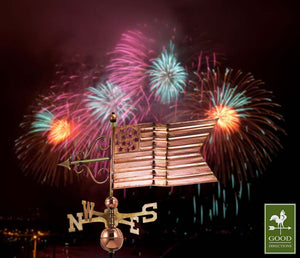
x: 113, y: 119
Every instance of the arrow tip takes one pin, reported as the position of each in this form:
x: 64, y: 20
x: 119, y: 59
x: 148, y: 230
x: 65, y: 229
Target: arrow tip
x: 65, y: 164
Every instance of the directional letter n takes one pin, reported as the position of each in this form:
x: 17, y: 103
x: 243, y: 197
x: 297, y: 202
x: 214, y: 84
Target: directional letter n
x: 73, y: 222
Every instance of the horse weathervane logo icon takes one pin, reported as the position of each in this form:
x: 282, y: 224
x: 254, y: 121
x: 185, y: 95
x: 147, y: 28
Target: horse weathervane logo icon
x: 279, y: 220
x: 280, y: 228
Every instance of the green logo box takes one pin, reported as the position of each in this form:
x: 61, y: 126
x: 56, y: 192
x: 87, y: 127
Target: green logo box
x: 280, y: 228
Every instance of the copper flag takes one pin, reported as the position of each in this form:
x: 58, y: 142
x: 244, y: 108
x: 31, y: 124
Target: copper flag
x: 161, y: 154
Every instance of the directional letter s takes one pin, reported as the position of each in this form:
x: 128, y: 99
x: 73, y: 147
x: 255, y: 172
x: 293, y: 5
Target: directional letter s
x: 153, y: 213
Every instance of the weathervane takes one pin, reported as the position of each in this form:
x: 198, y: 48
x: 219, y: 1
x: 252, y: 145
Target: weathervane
x: 149, y: 154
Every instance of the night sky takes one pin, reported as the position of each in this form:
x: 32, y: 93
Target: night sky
x: 261, y: 37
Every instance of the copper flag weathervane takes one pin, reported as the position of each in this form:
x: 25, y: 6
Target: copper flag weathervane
x: 149, y: 154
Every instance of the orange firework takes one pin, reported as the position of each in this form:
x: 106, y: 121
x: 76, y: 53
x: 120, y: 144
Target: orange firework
x: 245, y: 136
x: 229, y: 120
x: 49, y: 135
x: 59, y: 131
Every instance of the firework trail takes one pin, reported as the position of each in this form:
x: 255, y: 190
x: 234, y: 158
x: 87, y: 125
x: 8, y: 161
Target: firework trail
x: 127, y: 68
x: 76, y: 72
x: 48, y: 136
x: 244, y: 138
x: 52, y: 131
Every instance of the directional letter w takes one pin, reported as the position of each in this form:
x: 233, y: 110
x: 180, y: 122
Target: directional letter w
x: 88, y: 209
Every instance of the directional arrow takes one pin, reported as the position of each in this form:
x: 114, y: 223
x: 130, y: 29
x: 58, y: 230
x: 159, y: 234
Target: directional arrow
x: 273, y: 228
x: 67, y: 163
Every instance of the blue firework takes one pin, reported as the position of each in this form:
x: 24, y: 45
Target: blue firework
x: 42, y: 121
x: 103, y: 99
x: 167, y: 76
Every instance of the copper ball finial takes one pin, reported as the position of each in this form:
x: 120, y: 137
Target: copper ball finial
x: 111, y: 202
x: 111, y: 239
x: 113, y: 117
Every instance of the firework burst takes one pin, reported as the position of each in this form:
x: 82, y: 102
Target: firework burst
x: 167, y: 76
x: 58, y: 129
x: 52, y: 131
x: 102, y: 100
x: 229, y: 106
x: 127, y: 68
x: 244, y: 138
x: 48, y: 137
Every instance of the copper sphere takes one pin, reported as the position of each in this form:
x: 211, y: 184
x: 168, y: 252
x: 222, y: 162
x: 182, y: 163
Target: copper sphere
x: 113, y: 117
x: 111, y: 239
x: 111, y: 202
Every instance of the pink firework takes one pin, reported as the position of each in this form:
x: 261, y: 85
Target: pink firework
x: 128, y: 66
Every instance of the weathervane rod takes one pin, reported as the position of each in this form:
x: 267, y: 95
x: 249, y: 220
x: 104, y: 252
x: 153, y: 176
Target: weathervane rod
x: 113, y: 120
